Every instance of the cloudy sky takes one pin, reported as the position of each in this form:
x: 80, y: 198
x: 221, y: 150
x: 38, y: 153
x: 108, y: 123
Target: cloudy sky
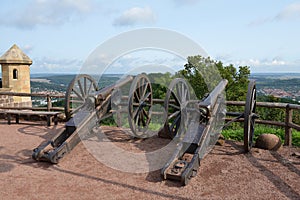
x: 58, y: 35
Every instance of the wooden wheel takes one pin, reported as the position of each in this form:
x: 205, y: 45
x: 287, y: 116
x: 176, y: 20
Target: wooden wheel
x: 79, y: 90
x: 176, y: 100
x: 140, y: 105
x: 249, y: 116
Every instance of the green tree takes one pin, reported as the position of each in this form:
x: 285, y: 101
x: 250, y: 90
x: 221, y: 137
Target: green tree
x: 160, y: 83
x: 203, y: 74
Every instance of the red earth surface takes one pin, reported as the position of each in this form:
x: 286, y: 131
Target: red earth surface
x: 225, y: 173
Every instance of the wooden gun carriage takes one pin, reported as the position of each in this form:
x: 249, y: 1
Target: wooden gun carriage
x: 195, y: 125
x: 84, y: 103
x: 202, y: 129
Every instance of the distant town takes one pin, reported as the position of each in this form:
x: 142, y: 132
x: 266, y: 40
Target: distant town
x: 280, y: 93
x: 282, y: 86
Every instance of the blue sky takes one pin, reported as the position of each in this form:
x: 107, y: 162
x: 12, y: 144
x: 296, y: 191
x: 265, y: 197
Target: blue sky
x: 58, y: 35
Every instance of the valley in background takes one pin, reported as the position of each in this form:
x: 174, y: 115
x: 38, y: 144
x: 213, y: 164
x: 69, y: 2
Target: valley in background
x: 280, y: 86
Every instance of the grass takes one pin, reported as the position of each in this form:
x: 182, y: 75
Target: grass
x: 238, y: 134
x: 110, y: 121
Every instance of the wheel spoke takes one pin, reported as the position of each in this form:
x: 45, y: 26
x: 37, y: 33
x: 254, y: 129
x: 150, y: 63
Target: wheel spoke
x: 175, y: 98
x: 135, y: 114
x: 175, y: 122
x: 140, y: 118
x: 77, y: 92
x: 185, y: 93
x: 140, y: 103
x: 78, y: 95
x: 147, y: 96
x: 175, y: 114
x: 136, y: 104
x: 144, y: 91
x: 85, y: 87
x: 145, y: 113
x: 90, y: 87
x: 178, y: 92
x: 143, y: 87
x: 252, y: 123
x: 143, y: 119
x: 80, y: 87
x: 136, y: 96
x: 76, y: 101
x: 140, y: 87
x: 182, y: 92
x: 77, y: 109
x: 174, y: 106
x: 147, y: 104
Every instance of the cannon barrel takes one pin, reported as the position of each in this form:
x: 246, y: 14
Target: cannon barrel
x: 211, y: 100
x: 106, y: 91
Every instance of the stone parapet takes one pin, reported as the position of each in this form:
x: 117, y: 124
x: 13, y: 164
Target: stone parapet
x: 6, y: 100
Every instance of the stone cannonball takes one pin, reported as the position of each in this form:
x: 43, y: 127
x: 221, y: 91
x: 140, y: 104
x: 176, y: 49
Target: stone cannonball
x: 268, y: 141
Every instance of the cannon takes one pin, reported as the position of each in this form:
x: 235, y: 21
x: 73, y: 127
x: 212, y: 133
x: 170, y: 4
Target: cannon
x: 194, y: 125
x: 197, y: 128
x: 86, y: 106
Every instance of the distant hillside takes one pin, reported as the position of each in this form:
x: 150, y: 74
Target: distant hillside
x: 280, y: 81
x: 59, y: 83
x: 285, y: 85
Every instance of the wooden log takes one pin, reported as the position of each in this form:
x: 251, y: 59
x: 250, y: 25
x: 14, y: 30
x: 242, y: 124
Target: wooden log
x: 288, y: 129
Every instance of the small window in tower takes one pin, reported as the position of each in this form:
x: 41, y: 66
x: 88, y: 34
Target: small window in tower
x: 15, y: 74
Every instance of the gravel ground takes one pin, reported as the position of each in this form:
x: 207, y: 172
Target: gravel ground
x: 225, y: 173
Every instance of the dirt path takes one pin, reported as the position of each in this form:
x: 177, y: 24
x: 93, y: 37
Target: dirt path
x: 225, y: 173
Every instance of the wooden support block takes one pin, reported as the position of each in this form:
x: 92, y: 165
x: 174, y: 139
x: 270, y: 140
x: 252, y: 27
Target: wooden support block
x: 17, y: 118
x: 8, y: 118
x: 55, y: 120
x: 48, y: 120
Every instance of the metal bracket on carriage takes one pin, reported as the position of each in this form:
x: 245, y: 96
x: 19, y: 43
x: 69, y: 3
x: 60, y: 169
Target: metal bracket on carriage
x: 185, y: 161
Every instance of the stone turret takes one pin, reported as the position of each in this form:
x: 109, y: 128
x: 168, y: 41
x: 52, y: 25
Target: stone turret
x: 16, y: 74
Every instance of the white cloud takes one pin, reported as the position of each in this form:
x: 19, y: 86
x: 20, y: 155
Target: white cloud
x: 44, y: 12
x: 135, y: 15
x: 228, y: 59
x: 260, y: 21
x: 291, y: 11
x: 185, y: 2
x: 27, y: 48
x: 276, y: 64
x: 148, y: 61
x: 51, y: 65
x: 258, y: 62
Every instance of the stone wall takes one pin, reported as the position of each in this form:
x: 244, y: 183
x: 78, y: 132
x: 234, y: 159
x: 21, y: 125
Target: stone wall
x: 8, y: 101
x: 5, y: 100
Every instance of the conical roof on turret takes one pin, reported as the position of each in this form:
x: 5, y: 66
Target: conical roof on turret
x: 15, y: 55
